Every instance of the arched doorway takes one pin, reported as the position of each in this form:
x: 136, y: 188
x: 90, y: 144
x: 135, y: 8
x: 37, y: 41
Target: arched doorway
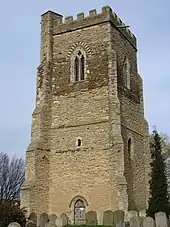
x: 79, y: 212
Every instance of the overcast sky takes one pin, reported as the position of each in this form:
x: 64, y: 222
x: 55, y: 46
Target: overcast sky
x: 20, y: 47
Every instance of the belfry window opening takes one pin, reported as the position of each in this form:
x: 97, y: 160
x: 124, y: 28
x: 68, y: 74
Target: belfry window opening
x: 127, y: 73
x: 79, y: 65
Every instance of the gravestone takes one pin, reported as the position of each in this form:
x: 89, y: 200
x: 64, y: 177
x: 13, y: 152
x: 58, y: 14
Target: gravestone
x: 120, y: 224
x: 135, y: 222
x: 52, y: 218
x: 161, y: 219
x: 52, y: 221
x: 100, y: 218
x: 108, y: 218
x: 33, y: 217
x: 30, y: 224
x: 50, y: 224
x: 118, y: 216
x: 64, y: 219
x: 43, y: 220
x: 91, y: 218
x: 142, y: 213
x: 130, y: 214
x: 58, y: 222
x: 149, y: 222
x: 14, y: 224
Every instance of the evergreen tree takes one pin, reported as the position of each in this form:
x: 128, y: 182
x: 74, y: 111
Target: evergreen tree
x: 158, y: 202
x: 10, y: 211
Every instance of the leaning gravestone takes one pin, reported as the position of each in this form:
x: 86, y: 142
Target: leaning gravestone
x: 91, y: 218
x: 149, y: 222
x: 118, y: 216
x: 64, y: 219
x: 161, y: 219
x: 108, y: 218
x: 43, y: 220
x: 14, y: 224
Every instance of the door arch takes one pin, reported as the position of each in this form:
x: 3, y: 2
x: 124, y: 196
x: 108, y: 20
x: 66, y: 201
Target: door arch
x: 79, y: 212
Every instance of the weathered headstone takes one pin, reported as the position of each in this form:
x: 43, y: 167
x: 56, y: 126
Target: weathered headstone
x: 130, y: 214
x: 142, y: 213
x: 91, y: 218
x: 100, y: 218
x: 142, y: 219
x: 64, y: 219
x: 52, y: 218
x: 149, y: 222
x: 108, y: 218
x: 43, y: 220
x: 14, y: 224
x: 30, y: 224
x: 58, y: 222
x: 118, y: 216
x: 135, y: 222
x: 50, y: 224
x: 161, y: 219
x: 120, y: 224
x: 33, y: 217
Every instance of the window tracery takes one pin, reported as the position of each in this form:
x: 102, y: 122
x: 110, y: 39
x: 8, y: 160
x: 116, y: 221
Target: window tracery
x: 78, y: 65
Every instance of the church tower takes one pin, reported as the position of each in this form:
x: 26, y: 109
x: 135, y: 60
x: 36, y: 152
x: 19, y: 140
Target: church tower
x: 89, y: 140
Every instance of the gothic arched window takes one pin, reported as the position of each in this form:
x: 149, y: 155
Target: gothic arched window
x: 126, y: 72
x: 79, y: 66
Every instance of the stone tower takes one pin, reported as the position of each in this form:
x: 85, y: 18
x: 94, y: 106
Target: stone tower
x: 89, y: 140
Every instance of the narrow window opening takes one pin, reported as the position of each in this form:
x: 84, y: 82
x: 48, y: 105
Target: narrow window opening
x: 82, y: 68
x: 76, y: 69
x: 79, y: 143
x: 130, y: 148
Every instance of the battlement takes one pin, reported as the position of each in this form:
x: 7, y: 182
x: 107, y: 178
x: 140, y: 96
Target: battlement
x: 106, y: 15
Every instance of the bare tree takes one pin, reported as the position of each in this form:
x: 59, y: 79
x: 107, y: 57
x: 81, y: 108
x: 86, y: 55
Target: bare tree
x: 11, y: 177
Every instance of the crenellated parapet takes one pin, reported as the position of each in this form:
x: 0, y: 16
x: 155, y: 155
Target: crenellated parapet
x: 70, y: 23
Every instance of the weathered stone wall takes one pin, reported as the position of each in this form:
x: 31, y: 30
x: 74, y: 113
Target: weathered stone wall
x: 100, y: 111
x: 81, y: 111
x: 92, y: 41
x: 132, y: 120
